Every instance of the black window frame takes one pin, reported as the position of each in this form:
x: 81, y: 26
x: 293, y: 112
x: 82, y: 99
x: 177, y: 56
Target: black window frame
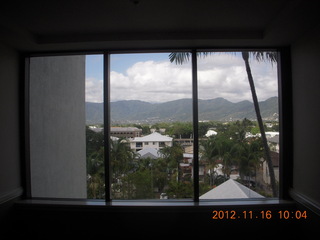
x: 285, y: 122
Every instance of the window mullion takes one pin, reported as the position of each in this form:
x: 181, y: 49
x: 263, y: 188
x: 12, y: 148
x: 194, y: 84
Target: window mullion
x: 195, y: 127
x: 106, y: 110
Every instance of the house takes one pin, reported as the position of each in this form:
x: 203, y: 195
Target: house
x: 274, y: 144
x: 187, y: 165
x: 154, y: 140
x: 230, y: 189
x: 265, y: 170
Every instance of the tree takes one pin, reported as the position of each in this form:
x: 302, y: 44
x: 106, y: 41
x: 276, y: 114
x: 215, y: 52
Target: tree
x: 172, y: 156
x: 217, y: 149
x: 248, y: 153
x: 95, y: 164
x: 209, y: 155
x: 95, y: 174
x: 181, y: 57
x: 142, y: 184
x: 272, y: 57
x: 121, y: 164
x: 180, y: 189
x: 94, y: 141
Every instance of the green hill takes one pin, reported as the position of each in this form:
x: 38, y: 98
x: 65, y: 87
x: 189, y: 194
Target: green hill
x: 218, y: 109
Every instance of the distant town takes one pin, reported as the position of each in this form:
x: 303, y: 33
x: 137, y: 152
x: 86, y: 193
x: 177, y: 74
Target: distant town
x: 156, y: 161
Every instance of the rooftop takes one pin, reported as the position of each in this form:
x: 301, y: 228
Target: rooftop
x: 125, y: 129
x: 230, y: 189
x: 153, y: 137
x: 149, y: 153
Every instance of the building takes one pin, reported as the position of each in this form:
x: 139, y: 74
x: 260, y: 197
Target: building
x: 186, y: 165
x: 154, y: 140
x: 274, y: 143
x: 265, y: 170
x: 186, y: 143
x: 125, y: 132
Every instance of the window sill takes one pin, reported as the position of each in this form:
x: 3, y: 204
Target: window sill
x: 234, y: 203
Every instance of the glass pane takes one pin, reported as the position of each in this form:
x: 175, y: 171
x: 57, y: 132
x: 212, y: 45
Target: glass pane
x: 94, y: 127
x: 57, y: 123
x: 151, y: 127
x: 233, y: 160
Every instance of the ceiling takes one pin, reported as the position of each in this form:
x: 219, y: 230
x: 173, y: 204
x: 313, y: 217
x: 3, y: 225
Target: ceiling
x: 142, y: 24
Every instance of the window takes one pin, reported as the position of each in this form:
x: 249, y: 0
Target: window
x: 145, y: 90
x: 198, y: 136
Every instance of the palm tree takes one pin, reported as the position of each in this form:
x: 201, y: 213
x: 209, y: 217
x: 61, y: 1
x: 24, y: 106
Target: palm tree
x: 181, y: 57
x: 95, y: 174
x: 173, y: 156
x: 272, y: 57
x: 248, y: 154
x: 122, y: 163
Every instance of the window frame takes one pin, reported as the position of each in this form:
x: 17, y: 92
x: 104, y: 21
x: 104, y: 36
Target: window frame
x: 285, y: 116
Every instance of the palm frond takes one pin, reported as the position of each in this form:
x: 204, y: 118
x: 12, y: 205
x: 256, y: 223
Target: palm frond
x: 260, y: 56
x: 179, y: 57
x: 183, y: 57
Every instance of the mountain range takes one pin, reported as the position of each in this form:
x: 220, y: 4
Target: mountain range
x: 218, y: 109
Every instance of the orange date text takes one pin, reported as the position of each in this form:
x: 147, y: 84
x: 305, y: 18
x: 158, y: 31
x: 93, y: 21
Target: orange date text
x: 265, y: 214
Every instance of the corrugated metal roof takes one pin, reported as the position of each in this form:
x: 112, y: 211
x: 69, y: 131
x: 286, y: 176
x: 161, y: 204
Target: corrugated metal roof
x: 153, y: 137
x: 149, y: 152
x: 230, y: 189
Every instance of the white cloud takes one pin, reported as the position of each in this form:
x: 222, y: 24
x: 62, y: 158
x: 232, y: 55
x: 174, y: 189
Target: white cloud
x: 152, y: 81
x: 219, y: 75
x: 224, y: 75
x: 94, y: 90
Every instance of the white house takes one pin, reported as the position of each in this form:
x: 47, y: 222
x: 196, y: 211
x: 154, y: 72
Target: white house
x: 154, y: 140
x: 211, y: 132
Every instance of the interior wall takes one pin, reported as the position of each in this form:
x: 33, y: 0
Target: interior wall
x: 10, y: 180
x: 306, y: 105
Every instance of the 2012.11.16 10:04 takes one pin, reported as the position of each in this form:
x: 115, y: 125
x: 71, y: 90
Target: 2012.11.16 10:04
x: 265, y: 214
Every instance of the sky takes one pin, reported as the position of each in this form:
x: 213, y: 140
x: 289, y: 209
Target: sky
x: 153, y: 78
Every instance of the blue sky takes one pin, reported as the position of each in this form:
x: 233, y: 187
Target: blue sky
x: 119, y: 62
x: 94, y: 66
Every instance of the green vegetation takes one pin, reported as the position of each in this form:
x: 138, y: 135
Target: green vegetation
x: 134, y: 177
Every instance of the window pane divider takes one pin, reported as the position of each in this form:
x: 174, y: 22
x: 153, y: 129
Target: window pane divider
x: 106, y: 124
x: 195, y: 127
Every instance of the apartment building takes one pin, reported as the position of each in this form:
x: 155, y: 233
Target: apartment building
x: 125, y: 132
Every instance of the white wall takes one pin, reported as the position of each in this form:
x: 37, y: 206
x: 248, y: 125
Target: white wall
x: 57, y: 127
